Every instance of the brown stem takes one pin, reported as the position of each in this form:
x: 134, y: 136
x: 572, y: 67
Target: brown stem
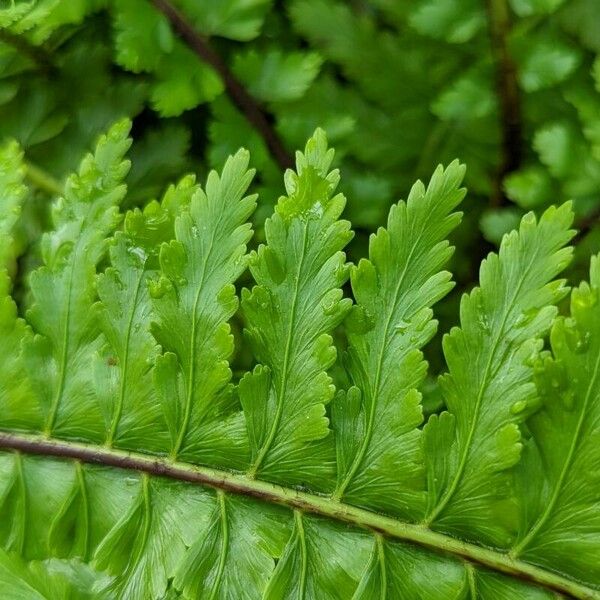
x: 248, y: 105
x: 508, y: 95
x: 24, y: 47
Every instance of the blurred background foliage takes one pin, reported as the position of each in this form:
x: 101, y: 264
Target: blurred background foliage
x: 510, y: 87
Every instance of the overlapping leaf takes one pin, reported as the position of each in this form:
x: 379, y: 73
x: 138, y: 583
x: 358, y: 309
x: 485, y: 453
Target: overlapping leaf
x: 560, y: 475
x: 63, y: 290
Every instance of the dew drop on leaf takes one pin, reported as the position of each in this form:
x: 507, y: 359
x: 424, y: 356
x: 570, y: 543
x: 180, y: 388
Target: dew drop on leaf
x: 137, y: 253
x: 401, y: 326
x: 518, y: 407
x: 484, y: 323
x: 329, y: 306
x: 583, y: 343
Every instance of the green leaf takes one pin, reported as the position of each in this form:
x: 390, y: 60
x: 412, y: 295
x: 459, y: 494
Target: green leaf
x: 193, y: 300
x: 526, y: 8
x: 277, y: 77
x: 150, y: 539
x: 47, y: 580
x: 488, y: 387
x: 289, y: 317
x: 183, y: 82
x: 234, y: 19
x: 124, y: 366
x: 496, y: 223
x: 452, y: 21
x: 560, y: 476
x: 546, y: 62
x: 63, y: 289
x: 468, y: 98
x: 158, y: 476
x: 390, y: 322
x: 142, y: 34
x: 529, y: 188
x: 14, y: 390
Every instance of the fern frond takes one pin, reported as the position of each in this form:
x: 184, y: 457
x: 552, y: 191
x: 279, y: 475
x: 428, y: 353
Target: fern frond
x: 63, y: 289
x: 380, y: 463
x: 489, y: 387
x: 124, y: 367
x: 289, y: 317
x: 559, y: 479
x: 150, y: 483
x: 193, y: 300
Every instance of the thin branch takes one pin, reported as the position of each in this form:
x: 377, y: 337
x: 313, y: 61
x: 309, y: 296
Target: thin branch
x: 26, y: 48
x: 245, y: 102
x: 238, y: 483
x: 508, y: 95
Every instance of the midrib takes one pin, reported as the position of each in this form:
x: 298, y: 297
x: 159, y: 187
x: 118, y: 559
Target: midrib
x: 325, y: 506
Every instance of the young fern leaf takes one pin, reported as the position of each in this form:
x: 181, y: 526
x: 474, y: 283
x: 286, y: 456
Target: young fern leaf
x: 63, y: 290
x: 193, y: 301
x: 560, y: 489
x: 289, y: 317
x: 124, y: 368
x: 489, y: 388
x: 380, y: 463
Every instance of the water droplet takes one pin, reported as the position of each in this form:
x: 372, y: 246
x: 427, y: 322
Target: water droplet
x: 138, y: 253
x: 484, y: 323
x: 518, y: 407
x: 329, y: 306
x: 195, y: 232
x: 316, y: 211
x: 583, y: 343
x: 401, y: 326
